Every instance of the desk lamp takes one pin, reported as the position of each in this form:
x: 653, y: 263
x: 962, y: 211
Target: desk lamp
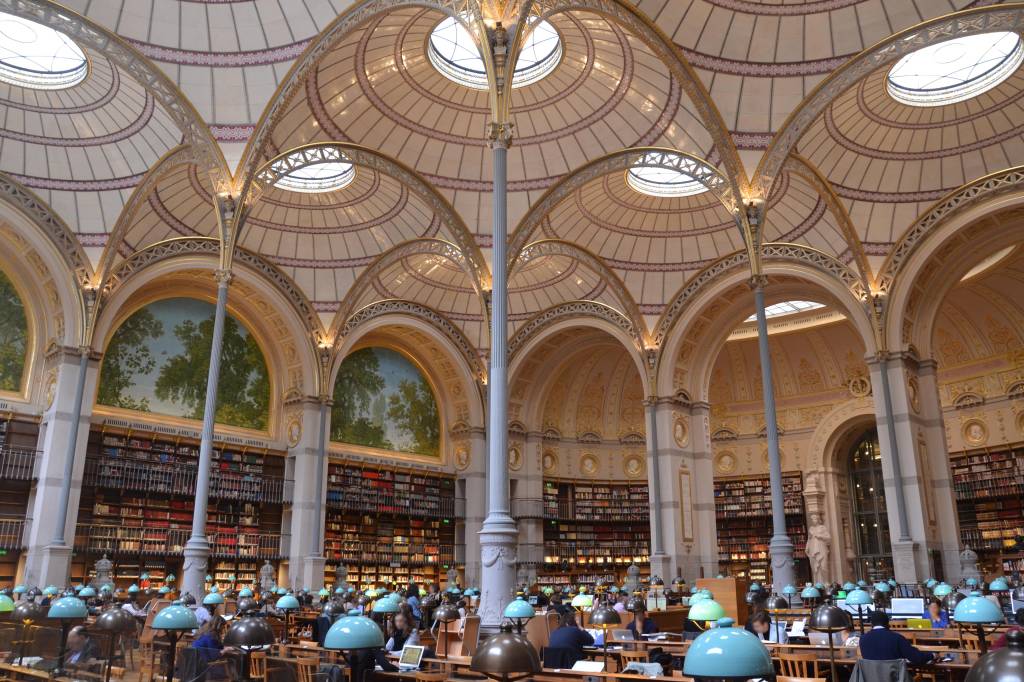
x: 810, y: 594
x: 289, y: 604
x: 637, y: 605
x: 971, y: 582
x: 174, y: 620
x: 6, y: 607
x: 324, y: 594
x: 952, y: 599
x: 67, y: 610
x: 860, y: 599
x: 830, y: 619
x: 246, y: 604
x: 727, y: 654
x: 247, y: 593
x: 776, y: 606
x: 28, y: 613
x: 942, y: 590
x: 444, y: 614
x: 582, y: 602
x: 978, y: 611
x: 19, y: 590
x: 354, y: 633
x: 114, y: 622
x: 387, y: 607
x: 706, y: 611
x: 506, y: 657
x: 999, y: 587
x: 1005, y: 665
x: 603, y: 618
x: 789, y: 591
x: 519, y: 611
x: 849, y: 586
x: 213, y: 600
x: 249, y: 633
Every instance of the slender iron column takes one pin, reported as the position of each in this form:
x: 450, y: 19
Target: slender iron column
x: 197, y: 549
x: 60, y: 532
x: 780, y: 549
x: 498, y: 534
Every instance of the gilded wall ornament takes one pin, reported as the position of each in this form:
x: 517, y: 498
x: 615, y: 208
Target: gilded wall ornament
x: 859, y: 386
x: 549, y: 461
x: 588, y: 464
x: 294, y: 430
x: 515, y: 458
x: 633, y: 466
x: 681, y: 431
x: 725, y: 463
x: 462, y: 457
x: 975, y: 432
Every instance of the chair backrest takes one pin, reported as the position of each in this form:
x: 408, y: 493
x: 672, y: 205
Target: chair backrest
x: 881, y: 671
x: 258, y: 665
x: 537, y: 632
x: 799, y: 665
x: 306, y: 668
x: 470, y: 635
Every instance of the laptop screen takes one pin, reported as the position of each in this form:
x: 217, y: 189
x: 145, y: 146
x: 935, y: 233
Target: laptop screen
x: 411, y: 656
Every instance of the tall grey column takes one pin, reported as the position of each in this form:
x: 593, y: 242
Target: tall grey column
x: 659, y: 560
x: 897, y: 467
x: 60, y: 530
x: 498, y: 534
x: 780, y: 549
x: 313, y: 575
x: 197, y: 549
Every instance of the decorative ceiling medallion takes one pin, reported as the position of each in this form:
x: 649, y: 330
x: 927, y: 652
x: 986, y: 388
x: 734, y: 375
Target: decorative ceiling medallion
x: 681, y: 430
x: 515, y: 458
x: 725, y: 463
x: 588, y: 464
x: 36, y: 56
x: 633, y: 466
x: 549, y: 461
x: 649, y: 176
x: 453, y: 51
x: 955, y: 70
x: 975, y: 432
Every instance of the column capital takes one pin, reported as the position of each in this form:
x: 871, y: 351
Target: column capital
x: 499, y: 134
x: 222, y: 276
x: 759, y: 281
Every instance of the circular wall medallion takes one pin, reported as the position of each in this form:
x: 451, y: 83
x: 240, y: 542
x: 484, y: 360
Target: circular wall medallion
x: 859, y: 387
x: 975, y: 432
x: 549, y: 461
x: 294, y: 430
x: 725, y: 463
x: 914, y: 394
x: 515, y: 458
x: 50, y: 390
x: 681, y: 431
x: 588, y: 465
x: 461, y: 457
x: 633, y: 466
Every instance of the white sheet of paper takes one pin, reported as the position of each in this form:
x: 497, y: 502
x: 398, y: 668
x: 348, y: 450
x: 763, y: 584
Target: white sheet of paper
x: 798, y: 628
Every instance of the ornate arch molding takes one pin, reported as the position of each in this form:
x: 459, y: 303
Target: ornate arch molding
x: 437, y: 247
x: 50, y: 224
x: 840, y: 423
x: 981, y: 190
x: 471, y: 260
x: 967, y: 22
x: 654, y: 157
x: 209, y: 246
x: 558, y: 247
x: 398, y: 307
x: 196, y: 133
x: 573, y: 310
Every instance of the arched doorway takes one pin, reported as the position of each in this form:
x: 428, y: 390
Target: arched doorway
x: 870, y: 521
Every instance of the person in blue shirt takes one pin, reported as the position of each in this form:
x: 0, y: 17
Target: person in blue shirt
x: 412, y: 598
x: 882, y: 644
x: 936, y: 614
x: 761, y: 625
x: 210, y: 646
x: 568, y: 635
x: 647, y: 626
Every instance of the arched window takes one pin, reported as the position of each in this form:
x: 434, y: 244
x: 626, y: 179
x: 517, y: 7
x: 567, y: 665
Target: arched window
x: 13, y: 336
x: 382, y: 400
x: 870, y: 520
x: 158, y: 359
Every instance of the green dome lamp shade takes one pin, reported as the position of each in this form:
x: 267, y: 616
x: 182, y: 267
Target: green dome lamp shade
x: 931, y: 583
x: 287, y: 603
x: 50, y: 590
x: 133, y: 589
x: 789, y: 591
x: 170, y: 578
x: 830, y: 619
x: 860, y: 599
x: 213, y: 599
x: 163, y: 590
x: 353, y: 633
x: 849, y: 587
x: 66, y: 610
x: 340, y: 590
x: 323, y: 593
x: 971, y: 582
x: 6, y: 606
x: 582, y: 602
x: 706, y: 611
x: 174, y: 620
x: 506, y: 657
x: 1005, y: 665
x: 883, y: 586
x: 941, y: 590
x: 727, y: 653
x: 978, y: 611
x: 519, y: 611
x: 810, y: 594
x: 245, y: 592
x: 999, y: 585
x: 603, y: 618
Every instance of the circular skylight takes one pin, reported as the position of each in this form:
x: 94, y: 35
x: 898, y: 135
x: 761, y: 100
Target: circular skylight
x: 452, y: 52
x: 955, y: 70
x: 322, y: 176
x: 659, y: 181
x: 787, y: 308
x: 36, y: 56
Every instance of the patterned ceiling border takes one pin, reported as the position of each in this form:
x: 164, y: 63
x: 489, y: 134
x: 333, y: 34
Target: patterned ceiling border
x: 119, y: 52
x: 568, y: 311
x: 966, y: 22
x: 982, y: 189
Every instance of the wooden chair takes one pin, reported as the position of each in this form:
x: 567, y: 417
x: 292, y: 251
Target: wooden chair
x: 799, y: 665
x: 783, y: 678
x: 306, y: 668
x: 627, y: 657
x: 258, y: 666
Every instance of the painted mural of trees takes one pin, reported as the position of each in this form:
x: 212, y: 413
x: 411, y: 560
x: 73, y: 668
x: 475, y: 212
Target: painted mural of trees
x: 13, y: 336
x: 382, y: 400
x: 128, y: 355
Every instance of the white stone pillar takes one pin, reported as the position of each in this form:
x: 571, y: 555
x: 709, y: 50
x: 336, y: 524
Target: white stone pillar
x: 528, y: 508
x: 197, y: 549
x: 660, y: 561
x: 309, y: 471
x: 52, y: 512
x: 498, y: 536
x: 472, y: 484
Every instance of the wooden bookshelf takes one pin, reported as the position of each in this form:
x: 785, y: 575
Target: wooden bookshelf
x: 389, y: 525
x: 18, y: 441
x: 593, y: 529
x: 138, y: 495
x: 743, y: 512
x: 989, y: 488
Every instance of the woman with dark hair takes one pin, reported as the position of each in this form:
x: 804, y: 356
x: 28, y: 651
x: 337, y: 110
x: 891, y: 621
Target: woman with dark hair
x: 936, y: 614
x: 403, y: 632
x: 210, y: 647
x: 761, y: 625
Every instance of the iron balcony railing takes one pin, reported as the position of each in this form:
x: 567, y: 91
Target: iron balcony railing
x: 181, y: 480
x: 371, y: 501
x: 17, y: 464
x: 12, y: 532
x: 122, y: 540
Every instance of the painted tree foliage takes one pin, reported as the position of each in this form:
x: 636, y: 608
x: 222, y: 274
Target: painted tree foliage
x: 13, y: 336
x: 159, y: 357
x: 382, y: 400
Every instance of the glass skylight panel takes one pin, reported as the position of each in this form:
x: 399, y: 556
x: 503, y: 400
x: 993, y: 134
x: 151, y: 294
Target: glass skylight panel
x: 659, y: 181
x: 955, y: 70
x: 36, y: 56
x: 453, y: 52
x: 325, y: 176
x: 787, y: 308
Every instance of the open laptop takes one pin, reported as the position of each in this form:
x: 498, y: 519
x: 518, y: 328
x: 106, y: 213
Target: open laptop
x: 919, y: 624
x: 622, y: 635
x: 411, y: 657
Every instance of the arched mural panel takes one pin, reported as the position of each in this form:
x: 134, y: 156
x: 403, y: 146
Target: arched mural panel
x: 14, y: 337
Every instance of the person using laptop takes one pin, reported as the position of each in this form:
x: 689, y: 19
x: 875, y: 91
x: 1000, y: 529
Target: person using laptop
x: 647, y: 625
x: 403, y: 633
x: 568, y: 635
x: 936, y: 614
x: 882, y: 644
x: 761, y: 625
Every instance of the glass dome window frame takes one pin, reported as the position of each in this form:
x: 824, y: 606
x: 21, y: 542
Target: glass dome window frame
x: 647, y: 175
x: 297, y: 172
x: 56, y: 45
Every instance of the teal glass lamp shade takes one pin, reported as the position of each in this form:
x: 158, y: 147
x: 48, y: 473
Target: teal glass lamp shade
x: 728, y: 653
x: 519, y: 608
x: 883, y: 587
x: 340, y: 590
x: 87, y: 592
x: 244, y: 592
x: 354, y: 632
x: 698, y: 597
x: 706, y: 610
x: 820, y: 586
x: 354, y: 612
x: 209, y: 578
x: 164, y: 590
x: 789, y: 589
x: 133, y: 588
x: 144, y: 576
x: 20, y: 589
x: 170, y: 578
x: 175, y: 617
x: 68, y: 608
x: 50, y: 590
x: 849, y: 587
x: 858, y: 597
x: 862, y: 583
x: 287, y: 603
x: 931, y: 583
x: 941, y: 590
x: 213, y: 599
x: 755, y: 587
x: 386, y: 605
x: 977, y: 609
x: 6, y: 604
x: 810, y: 592
x: 972, y: 582
x: 324, y: 592
x: 582, y: 601
x: 472, y: 592
x: 999, y: 585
